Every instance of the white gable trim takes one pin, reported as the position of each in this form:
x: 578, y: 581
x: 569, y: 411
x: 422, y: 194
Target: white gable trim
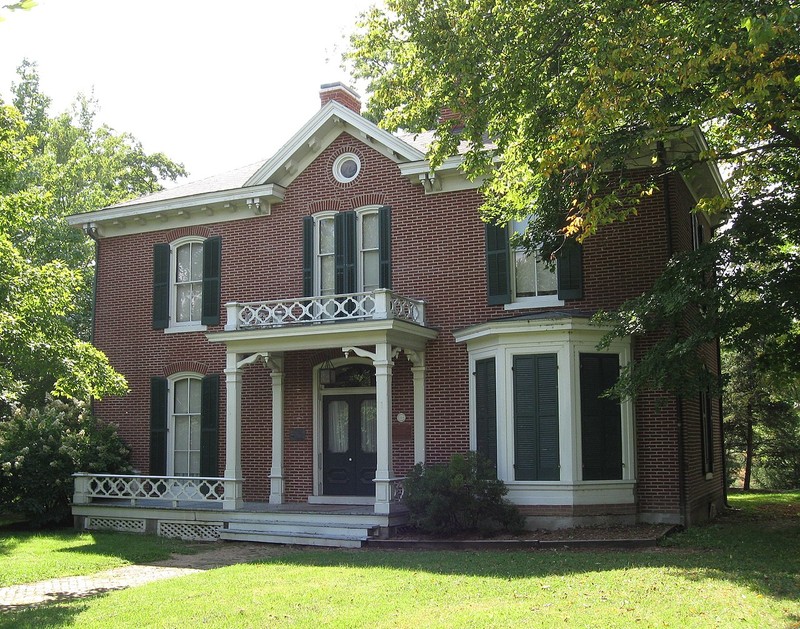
x: 318, y: 133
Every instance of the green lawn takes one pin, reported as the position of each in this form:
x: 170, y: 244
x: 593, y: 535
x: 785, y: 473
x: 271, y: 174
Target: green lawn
x: 28, y: 557
x: 740, y: 571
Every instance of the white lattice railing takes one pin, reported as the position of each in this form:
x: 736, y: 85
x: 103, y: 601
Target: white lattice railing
x: 175, y: 489
x: 379, y: 304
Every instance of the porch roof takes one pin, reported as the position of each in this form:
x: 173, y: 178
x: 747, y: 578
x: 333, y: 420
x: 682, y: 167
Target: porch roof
x: 395, y: 332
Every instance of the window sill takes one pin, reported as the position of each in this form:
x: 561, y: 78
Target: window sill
x: 545, y: 301
x: 177, y: 329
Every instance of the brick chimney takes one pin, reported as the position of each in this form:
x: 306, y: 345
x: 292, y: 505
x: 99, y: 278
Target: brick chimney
x: 341, y: 94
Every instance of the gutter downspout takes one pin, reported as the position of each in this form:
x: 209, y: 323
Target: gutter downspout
x: 91, y: 230
x: 662, y: 155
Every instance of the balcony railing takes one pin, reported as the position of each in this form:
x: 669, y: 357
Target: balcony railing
x: 379, y: 304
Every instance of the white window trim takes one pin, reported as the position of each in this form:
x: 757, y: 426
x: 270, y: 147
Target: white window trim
x: 174, y: 325
x: 567, y: 341
x: 171, y: 380
x: 533, y: 301
x: 360, y: 213
x: 328, y: 214
x: 318, y: 218
x: 338, y: 163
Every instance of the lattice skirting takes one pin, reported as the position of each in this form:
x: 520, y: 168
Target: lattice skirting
x: 192, y: 531
x: 115, y: 524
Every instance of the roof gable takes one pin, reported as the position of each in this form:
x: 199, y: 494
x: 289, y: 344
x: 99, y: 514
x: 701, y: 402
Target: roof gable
x: 317, y: 134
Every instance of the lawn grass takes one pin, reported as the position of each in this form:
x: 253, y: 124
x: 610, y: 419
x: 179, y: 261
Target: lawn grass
x: 36, y: 556
x: 740, y: 571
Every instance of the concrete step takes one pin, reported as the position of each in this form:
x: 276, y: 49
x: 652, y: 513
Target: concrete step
x: 304, y: 539
x: 309, y: 528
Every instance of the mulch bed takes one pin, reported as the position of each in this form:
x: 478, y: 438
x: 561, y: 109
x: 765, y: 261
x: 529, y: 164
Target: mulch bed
x: 634, y: 536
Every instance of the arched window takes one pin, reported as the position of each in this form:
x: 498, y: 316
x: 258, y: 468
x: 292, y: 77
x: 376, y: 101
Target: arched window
x: 187, y: 282
x: 184, y: 427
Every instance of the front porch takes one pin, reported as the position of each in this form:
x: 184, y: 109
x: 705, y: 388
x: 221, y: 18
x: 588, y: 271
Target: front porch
x: 193, y: 509
x: 371, y: 328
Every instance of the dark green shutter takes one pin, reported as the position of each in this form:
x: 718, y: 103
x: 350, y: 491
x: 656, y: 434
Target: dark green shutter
x: 601, y: 419
x: 345, y: 245
x: 569, y: 270
x: 212, y: 265
x: 385, y: 247
x: 497, y: 264
x: 486, y: 409
x: 536, y: 448
x: 308, y: 256
x: 209, y: 426
x: 161, y: 254
x: 158, y: 426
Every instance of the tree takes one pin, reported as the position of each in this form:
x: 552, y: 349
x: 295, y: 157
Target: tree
x: 762, y: 422
x: 51, y: 167
x: 568, y: 92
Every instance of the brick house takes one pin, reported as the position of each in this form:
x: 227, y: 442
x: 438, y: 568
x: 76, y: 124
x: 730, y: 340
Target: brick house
x: 299, y: 333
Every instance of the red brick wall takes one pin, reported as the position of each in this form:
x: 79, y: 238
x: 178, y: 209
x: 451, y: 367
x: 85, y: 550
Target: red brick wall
x: 437, y: 255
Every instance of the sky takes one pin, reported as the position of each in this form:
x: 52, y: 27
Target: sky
x: 213, y: 84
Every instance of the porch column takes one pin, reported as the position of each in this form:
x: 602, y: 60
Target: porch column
x: 383, y: 402
x: 418, y: 370
x: 233, y: 433
x: 276, y: 482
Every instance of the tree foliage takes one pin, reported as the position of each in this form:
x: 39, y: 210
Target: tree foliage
x: 569, y: 92
x: 762, y: 422
x: 51, y: 167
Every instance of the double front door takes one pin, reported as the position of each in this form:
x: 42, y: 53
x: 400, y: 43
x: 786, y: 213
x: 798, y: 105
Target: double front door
x: 349, y: 445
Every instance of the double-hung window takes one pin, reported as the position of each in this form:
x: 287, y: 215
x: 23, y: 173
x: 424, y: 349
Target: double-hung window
x: 346, y: 252
x: 517, y: 279
x: 184, y: 422
x: 533, y: 277
x: 186, y: 283
x: 187, y: 276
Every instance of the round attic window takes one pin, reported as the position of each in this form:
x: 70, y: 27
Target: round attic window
x: 346, y: 167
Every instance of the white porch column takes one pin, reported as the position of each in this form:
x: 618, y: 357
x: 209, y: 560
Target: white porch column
x: 233, y: 433
x: 418, y: 370
x: 383, y: 401
x: 276, y: 482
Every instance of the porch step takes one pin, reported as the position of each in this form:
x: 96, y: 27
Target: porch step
x: 303, y: 539
x: 311, y: 533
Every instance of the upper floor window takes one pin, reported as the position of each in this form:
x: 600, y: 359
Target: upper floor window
x: 369, y: 251
x: 346, y: 252
x: 186, y: 283
x: 532, y: 276
x: 346, y: 167
x: 519, y: 280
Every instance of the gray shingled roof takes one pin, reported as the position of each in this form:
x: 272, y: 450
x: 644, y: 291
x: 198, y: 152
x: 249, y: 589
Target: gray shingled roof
x: 230, y: 180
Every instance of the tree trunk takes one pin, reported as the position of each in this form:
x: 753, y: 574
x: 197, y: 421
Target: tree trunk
x: 748, y: 457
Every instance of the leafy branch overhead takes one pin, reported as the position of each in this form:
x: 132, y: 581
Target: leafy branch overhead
x: 559, y: 103
x: 50, y: 167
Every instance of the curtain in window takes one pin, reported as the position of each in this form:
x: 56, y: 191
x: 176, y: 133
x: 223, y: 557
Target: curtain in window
x: 369, y: 426
x: 338, y: 416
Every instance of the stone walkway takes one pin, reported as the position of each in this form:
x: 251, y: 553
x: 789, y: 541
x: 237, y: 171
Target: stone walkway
x: 17, y: 597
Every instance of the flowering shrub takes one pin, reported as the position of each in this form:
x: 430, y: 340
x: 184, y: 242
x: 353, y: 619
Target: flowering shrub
x: 40, y: 449
x: 464, y: 495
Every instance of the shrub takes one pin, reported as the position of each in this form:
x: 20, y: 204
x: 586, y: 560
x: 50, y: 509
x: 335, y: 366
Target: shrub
x: 41, y: 449
x: 463, y: 495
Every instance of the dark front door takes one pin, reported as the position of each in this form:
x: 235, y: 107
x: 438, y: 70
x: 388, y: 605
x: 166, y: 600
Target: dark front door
x: 349, y: 445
